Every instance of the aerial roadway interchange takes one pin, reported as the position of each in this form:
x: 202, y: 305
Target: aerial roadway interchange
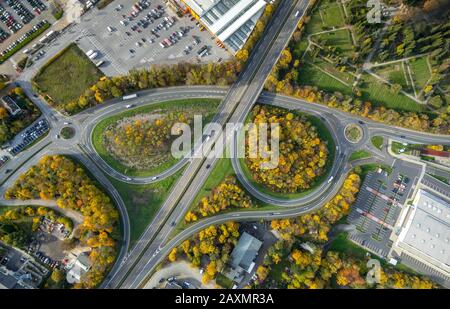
x: 134, y: 264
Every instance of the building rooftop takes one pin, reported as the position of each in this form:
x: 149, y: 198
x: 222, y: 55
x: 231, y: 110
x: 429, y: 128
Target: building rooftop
x: 245, y: 252
x: 428, y: 229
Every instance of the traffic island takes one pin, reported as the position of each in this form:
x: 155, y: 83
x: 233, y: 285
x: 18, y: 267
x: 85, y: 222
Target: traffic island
x: 353, y: 133
x: 67, y: 132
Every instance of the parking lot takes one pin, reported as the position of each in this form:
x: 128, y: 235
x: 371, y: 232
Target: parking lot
x: 379, y: 203
x: 125, y: 37
x: 19, y: 18
x: 26, y: 138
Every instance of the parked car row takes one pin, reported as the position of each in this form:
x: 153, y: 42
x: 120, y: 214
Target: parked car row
x: 37, y: 6
x: 3, y: 35
x: 173, y: 38
x: 30, y: 135
x: 46, y: 260
x: 11, y: 23
x: 25, y: 15
x: 3, y: 160
x: 24, y: 36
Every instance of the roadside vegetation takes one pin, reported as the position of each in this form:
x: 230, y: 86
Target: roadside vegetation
x: 138, y: 142
x: 333, y: 59
x: 64, y: 77
x: 60, y: 179
x: 359, y: 154
x: 377, y: 141
x: 143, y: 202
x: 106, y: 88
x: 11, y: 125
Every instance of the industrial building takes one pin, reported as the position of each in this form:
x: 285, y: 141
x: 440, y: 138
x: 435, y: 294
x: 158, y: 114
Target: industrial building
x: 424, y: 238
x: 231, y: 21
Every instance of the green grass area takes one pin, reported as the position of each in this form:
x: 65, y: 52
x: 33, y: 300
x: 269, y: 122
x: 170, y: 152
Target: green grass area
x: 341, y: 244
x: 97, y: 133
x: 310, y: 75
x: 394, y: 73
x: 66, y: 76
x: 366, y: 168
x: 143, y: 201
x: 340, y: 39
x: 377, y: 141
x: 223, y: 281
x: 380, y: 94
x: 359, y: 154
x: 420, y: 72
x: 326, y: 15
x: 332, y: 14
x: 330, y: 78
x: 24, y: 42
x: 400, y: 148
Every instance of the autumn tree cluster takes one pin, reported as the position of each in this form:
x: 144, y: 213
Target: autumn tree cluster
x: 61, y: 179
x: 143, y: 141
x: 302, y: 153
x: 210, y: 248
x: 317, y: 269
x: 106, y: 88
x: 228, y: 194
x: 11, y: 125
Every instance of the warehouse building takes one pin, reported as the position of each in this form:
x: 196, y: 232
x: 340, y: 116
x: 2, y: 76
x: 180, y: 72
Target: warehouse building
x: 424, y: 238
x: 231, y: 21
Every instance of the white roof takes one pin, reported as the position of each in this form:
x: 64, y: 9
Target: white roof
x: 428, y: 229
x: 241, y: 20
x: 199, y: 6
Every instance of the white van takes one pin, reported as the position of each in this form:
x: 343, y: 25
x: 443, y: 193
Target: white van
x: 110, y: 29
x: 89, y: 52
x: 93, y: 56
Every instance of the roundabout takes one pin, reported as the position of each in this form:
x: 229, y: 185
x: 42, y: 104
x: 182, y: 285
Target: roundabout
x: 353, y: 133
x: 67, y: 132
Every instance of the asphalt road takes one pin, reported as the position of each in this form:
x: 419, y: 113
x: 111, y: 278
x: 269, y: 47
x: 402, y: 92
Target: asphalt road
x: 239, y: 99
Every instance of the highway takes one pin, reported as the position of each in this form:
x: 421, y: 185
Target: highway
x: 239, y: 99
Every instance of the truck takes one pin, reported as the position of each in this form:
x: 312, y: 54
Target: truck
x: 129, y: 97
